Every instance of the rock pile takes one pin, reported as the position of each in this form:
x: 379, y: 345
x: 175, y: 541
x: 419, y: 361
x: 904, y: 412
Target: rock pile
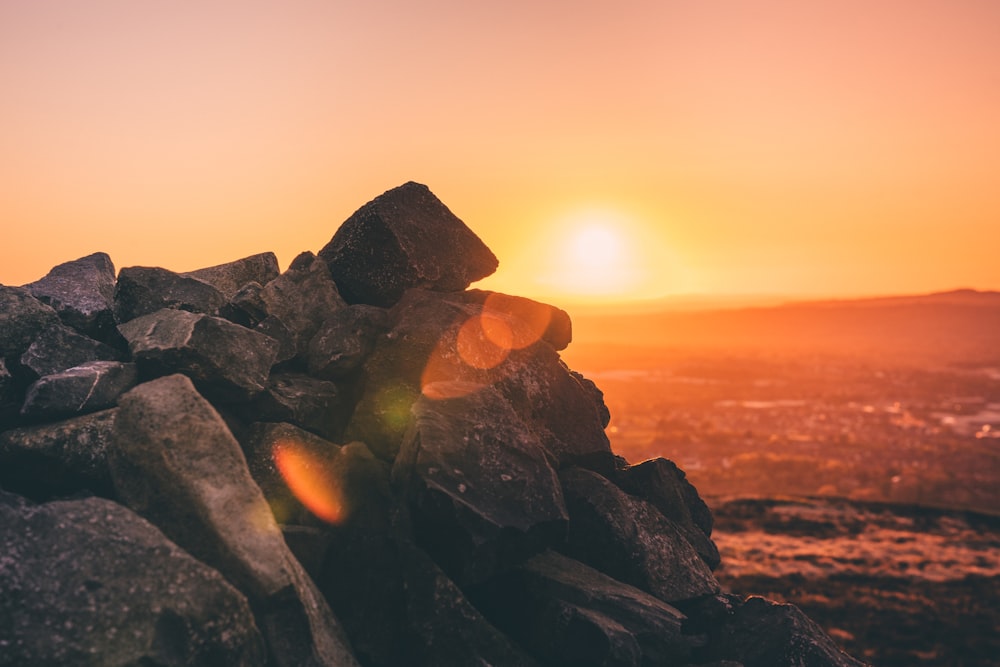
x: 358, y: 461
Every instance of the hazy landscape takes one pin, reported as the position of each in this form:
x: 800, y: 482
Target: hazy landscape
x: 849, y: 450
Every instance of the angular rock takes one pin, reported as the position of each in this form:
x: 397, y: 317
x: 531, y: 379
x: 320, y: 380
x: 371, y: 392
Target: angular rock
x: 58, y: 347
x: 537, y: 320
x: 401, y: 239
x: 566, y: 613
x: 480, y: 488
x: 89, y: 387
x: 229, y: 361
x: 101, y: 606
x: 630, y: 540
x: 246, y: 307
x: 761, y: 633
x: 82, y: 293
x: 315, y: 405
x: 345, y: 340
x: 174, y: 462
x: 142, y: 290
x: 60, y: 458
x: 11, y: 396
x: 22, y: 317
x: 665, y: 486
x: 231, y: 277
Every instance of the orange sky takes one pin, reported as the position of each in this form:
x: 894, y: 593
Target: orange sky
x: 821, y: 148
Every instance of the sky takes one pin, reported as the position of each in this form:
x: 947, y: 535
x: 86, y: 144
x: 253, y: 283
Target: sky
x: 602, y: 150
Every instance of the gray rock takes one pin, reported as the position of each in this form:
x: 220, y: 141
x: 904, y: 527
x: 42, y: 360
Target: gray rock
x: 175, y: 462
x: 142, y: 290
x: 77, y: 590
x: 344, y: 341
x: 22, y: 317
x: 58, y: 347
x: 82, y: 293
x: 665, y: 486
x: 629, y: 539
x: 230, y: 277
x: 401, y: 239
x: 480, y: 488
x: 60, y: 458
x: 315, y: 405
x: 246, y: 307
x: 89, y: 387
x: 536, y: 320
x: 566, y: 613
x: 229, y: 361
x: 11, y: 396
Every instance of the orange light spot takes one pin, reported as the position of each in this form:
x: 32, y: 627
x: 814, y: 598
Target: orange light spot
x: 311, y: 479
x: 528, y: 319
x: 484, y: 341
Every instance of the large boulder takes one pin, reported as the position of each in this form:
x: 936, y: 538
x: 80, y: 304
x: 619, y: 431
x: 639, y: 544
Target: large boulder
x: 629, y: 539
x: 82, y: 293
x: 229, y: 361
x: 481, y: 490
x: 59, y: 458
x: 344, y: 340
x: 59, y: 347
x: 141, y: 290
x: 230, y: 277
x: 401, y: 239
x: 22, y: 318
x: 88, y: 582
x: 85, y: 388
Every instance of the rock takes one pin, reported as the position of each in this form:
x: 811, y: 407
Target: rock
x: 404, y: 238
x: 231, y: 277
x: 58, y: 347
x: 588, y: 386
x: 566, y: 613
x: 630, y: 540
x: 82, y: 293
x: 174, y: 462
x: 246, y: 307
x: 344, y: 341
x: 101, y: 606
x: 60, y: 458
x: 537, y: 320
x: 89, y: 387
x: 315, y: 405
x: 761, y: 633
x: 665, y: 486
x: 22, y: 317
x: 481, y: 491
x: 11, y: 396
x: 142, y: 290
x: 229, y: 361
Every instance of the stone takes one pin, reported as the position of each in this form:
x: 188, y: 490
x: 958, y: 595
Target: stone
x: 22, y: 317
x: 665, y: 486
x: 629, y: 539
x: 11, y: 396
x: 313, y: 404
x: 537, y: 320
x: 344, y: 341
x: 480, y: 488
x: 564, y: 612
x: 762, y: 633
x: 231, y: 277
x: 246, y: 307
x: 99, y: 605
x: 57, y: 348
x: 142, y: 290
x: 82, y: 293
x: 60, y: 458
x: 89, y: 387
x: 229, y: 361
x: 401, y: 239
x: 174, y: 462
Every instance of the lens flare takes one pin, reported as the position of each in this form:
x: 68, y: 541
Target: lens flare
x: 528, y: 320
x: 484, y: 341
x: 311, y: 479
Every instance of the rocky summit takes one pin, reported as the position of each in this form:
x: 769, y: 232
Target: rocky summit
x: 356, y: 461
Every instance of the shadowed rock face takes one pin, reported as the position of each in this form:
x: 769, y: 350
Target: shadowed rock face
x: 82, y: 293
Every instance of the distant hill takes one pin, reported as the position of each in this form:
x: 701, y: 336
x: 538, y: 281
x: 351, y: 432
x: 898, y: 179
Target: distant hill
x: 956, y: 327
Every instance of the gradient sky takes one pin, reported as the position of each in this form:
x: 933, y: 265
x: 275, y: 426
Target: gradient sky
x: 609, y: 148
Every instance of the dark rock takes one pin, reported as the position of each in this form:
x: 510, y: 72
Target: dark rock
x: 82, y: 293
x: 11, y: 396
x: 231, y: 277
x: 481, y: 491
x: 534, y: 320
x: 174, y: 462
x: 566, y: 613
x: 22, y: 317
x: 404, y: 238
x: 345, y: 340
x: 58, y: 347
x: 665, y: 486
x: 629, y: 539
x: 77, y: 590
x: 761, y: 633
x: 315, y: 405
x: 603, y: 414
x: 89, y: 387
x: 246, y: 307
x: 229, y: 361
x: 59, y: 458
x: 142, y: 290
